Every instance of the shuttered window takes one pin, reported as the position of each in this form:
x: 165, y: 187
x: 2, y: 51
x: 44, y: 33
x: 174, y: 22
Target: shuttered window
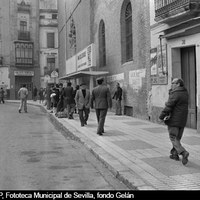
x: 50, y: 40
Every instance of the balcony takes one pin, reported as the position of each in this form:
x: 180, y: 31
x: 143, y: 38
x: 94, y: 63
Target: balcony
x: 167, y: 10
x: 23, y: 7
x: 24, y: 35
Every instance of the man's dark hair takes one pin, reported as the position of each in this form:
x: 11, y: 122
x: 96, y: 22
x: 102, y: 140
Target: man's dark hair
x: 69, y: 84
x: 99, y: 81
x: 24, y: 85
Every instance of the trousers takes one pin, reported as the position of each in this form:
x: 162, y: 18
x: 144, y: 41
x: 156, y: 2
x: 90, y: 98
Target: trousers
x: 175, y: 135
x: 101, y: 116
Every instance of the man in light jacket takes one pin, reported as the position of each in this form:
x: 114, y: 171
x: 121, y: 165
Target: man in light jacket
x: 82, y: 100
x: 23, y: 95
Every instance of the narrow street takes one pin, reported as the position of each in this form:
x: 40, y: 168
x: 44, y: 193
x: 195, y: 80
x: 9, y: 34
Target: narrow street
x: 36, y: 156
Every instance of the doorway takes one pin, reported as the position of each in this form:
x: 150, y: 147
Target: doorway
x: 188, y: 73
x: 20, y: 81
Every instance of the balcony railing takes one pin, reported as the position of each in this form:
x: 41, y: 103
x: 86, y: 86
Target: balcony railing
x: 24, y: 35
x: 168, y: 8
x: 28, y: 62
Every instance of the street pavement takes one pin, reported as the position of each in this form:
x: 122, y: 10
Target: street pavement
x: 137, y: 151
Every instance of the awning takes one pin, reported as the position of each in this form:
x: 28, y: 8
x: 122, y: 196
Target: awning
x: 79, y: 74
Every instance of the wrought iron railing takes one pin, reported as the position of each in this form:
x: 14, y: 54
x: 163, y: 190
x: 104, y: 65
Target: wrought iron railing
x: 166, y: 8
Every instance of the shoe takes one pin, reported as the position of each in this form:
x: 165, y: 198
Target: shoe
x: 85, y: 123
x: 174, y: 157
x: 26, y: 112
x: 99, y: 134
x: 185, y: 155
x: 19, y: 111
x: 82, y: 125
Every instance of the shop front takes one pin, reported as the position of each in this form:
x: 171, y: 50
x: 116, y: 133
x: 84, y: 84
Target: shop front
x: 21, y: 78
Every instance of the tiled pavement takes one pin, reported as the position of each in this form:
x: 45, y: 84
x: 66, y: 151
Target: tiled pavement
x: 137, y: 151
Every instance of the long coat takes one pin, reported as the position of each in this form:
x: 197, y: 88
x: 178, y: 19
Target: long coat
x: 81, y: 100
x: 68, y: 95
x: 176, y: 107
x: 101, y: 97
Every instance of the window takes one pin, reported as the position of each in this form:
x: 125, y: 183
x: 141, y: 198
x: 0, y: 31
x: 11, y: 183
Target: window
x: 42, y: 17
x: 126, y: 32
x: 24, y: 53
x: 128, y: 21
x: 51, y: 64
x: 23, y: 26
x: 102, y: 44
x: 54, y: 16
x: 50, y: 40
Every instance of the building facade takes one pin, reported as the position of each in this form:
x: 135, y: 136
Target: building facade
x: 4, y: 47
x: 110, y: 39
x: 175, y: 33
x: 22, y: 44
x: 48, y: 34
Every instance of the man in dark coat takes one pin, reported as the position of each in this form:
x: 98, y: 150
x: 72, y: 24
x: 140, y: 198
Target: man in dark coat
x: 69, y: 102
x: 118, y: 97
x: 175, y: 117
x: 101, y: 97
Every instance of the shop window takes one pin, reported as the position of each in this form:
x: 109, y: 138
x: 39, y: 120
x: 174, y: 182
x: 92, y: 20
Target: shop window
x: 51, y: 65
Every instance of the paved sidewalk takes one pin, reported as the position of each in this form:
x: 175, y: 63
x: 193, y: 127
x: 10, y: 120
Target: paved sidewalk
x: 137, y: 151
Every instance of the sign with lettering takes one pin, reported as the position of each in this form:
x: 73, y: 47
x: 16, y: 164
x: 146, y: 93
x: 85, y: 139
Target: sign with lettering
x: 86, y: 58
x: 24, y: 73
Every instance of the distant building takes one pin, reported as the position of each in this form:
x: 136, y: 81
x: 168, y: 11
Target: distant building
x: 20, y: 44
x: 175, y: 48
x: 48, y: 35
x: 110, y: 39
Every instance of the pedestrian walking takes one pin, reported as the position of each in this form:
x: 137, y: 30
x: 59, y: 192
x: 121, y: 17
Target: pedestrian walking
x: 35, y: 92
x: 60, y: 105
x: 69, y: 101
x: 82, y: 100
x: 175, y: 117
x: 2, y: 92
x: 76, y: 89
x: 48, y: 93
x: 41, y: 95
x: 101, y: 101
x: 23, y: 95
x: 55, y: 98
x: 118, y: 98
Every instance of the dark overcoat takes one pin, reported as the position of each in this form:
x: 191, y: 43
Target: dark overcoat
x: 176, y: 107
x: 101, y: 97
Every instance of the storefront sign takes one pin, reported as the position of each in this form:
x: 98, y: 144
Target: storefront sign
x: 24, y: 73
x: 86, y: 58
